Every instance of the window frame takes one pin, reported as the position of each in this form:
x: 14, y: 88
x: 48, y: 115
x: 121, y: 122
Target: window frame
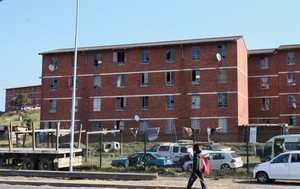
x: 144, y: 103
x: 170, y: 126
x: 121, y: 103
x: 97, y: 104
x: 145, y: 57
x: 120, y: 80
x: 264, y: 63
x: 265, y: 104
x: 170, y: 56
x: 53, y: 84
x: 97, y: 81
x: 291, y: 78
x: 170, y: 102
x: 196, y: 77
x: 145, y: 79
x: 223, y: 125
x: 195, y: 54
x: 195, y: 101
x: 119, y: 57
x: 222, y: 50
x: 222, y: 100
x: 170, y: 78
x: 264, y: 83
x: 195, y: 124
x: 52, y: 106
x: 222, y: 75
x: 97, y: 59
x: 290, y: 58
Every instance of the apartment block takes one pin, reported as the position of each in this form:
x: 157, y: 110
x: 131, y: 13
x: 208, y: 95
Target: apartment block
x: 197, y: 83
x: 31, y: 92
x: 274, y: 85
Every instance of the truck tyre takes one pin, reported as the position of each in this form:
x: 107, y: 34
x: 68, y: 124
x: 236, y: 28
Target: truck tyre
x: 45, y: 164
x: 29, y: 164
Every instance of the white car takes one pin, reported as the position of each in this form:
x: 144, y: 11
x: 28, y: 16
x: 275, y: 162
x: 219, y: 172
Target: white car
x: 219, y: 160
x: 283, y: 166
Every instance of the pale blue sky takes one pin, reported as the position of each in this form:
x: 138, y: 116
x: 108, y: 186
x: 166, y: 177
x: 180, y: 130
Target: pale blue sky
x: 33, y: 26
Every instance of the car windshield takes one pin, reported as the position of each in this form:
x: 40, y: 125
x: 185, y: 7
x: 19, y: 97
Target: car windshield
x: 154, y: 148
x: 235, y: 155
x: 157, y: 155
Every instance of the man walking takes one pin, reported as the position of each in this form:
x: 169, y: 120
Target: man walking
x: 197, y: 168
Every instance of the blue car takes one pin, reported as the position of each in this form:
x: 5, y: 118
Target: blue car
x: 137, y: 159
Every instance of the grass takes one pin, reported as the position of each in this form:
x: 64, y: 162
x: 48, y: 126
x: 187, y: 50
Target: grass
x: 13, y: 118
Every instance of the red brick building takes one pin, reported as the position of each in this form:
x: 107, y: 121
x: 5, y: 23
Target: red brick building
x: 170, y: 85
x: 273, y: 89
x: 32, y: 92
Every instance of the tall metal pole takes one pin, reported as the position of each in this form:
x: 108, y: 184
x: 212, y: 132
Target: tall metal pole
x: 74, y: 90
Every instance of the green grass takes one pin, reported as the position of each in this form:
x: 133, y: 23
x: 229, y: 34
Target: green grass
x: 13, y: 118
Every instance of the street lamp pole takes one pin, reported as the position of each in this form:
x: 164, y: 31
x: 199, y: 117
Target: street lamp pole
x: 74, y: 90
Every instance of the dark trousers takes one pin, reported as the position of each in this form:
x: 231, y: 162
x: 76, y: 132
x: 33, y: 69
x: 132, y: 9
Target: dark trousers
x: 193, y: 178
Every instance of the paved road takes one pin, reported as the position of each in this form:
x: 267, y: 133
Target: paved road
x: 161, y: 182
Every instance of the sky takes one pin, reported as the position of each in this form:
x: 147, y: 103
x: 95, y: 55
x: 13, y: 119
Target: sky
x: 30, y: 27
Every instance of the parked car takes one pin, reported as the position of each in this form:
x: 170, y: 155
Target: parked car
x: 216, y: 147
x: 171, y: 150
x: 284, y: 166
x: 137, y: 159
x: 91, y: 150
x: 219, y: 160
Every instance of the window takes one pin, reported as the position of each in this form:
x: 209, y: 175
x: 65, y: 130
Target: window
x: 144, y: 103
x: 145, y: 57
x: 97, y: 60
x: 222, y: 100
x: 266, y: 121
x: 97, y: 81
x: 50, y: 125
x: 119, y: 125
x: 195, y: 102
x: 121, y: 103
x: 97, y: 104
x: 54, y: 62
x: 292, y: 146
x: 264, y: 63
x: 74, y: 62
x: 265, y: 103
x: 264, y: 83
x: 217, y: 156
x: 222, y: 50
x: 119, y: 58
x: 292, y: 100
x: 293, y: 120
x: 120, y: 80
x: 284, y: 158
x: 76, y: 105
x: 195, y: 53
x: 170, y: 126
x: 195, y: 77
x: 170, y: 55
x: 170, y: 103
x: 222, y: 124
x: 169, y: 77
x: 71, y: 82
x: 144, y: 126
x: 53, y: 84
x: 95, y: 125
x: 144, y: 79
x: 52, y: 106
x: 195, y: 123
x: 291, y: 80
x: 222, y: 75
x: 290, y: 59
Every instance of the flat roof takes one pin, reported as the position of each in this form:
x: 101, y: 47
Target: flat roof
x: 283, y: 47
x: 135, y: 45
x: 24, y: 87
x: 261, y: 51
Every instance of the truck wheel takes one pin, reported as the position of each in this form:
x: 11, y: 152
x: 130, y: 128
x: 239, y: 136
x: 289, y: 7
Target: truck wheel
x: 29, y: 164
x: 45, y: 164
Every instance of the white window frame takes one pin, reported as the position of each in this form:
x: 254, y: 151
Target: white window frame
x: 170, y: 56
x: 121, y: 103
x: 53, y: 84
x: 222, y: 75
x: 96, y: 104
x: 265, y: 104
x: 195, y: 54
x: 170, y: 78
x: 119, y: 57
x: 52, y: 106
x: 264, y: 83
x: 222, y: 50
x: 292, y: 102
x: 97, y: 81
x: 195, y: 124
x: 196, y: 77
x: 145, y: 79
x: 222, y: 100
x: 291, y: 78
x: 223, y: 125
x: 145, y: 56
x: 144, y: 103
x: 170, y: 102
x: 264, y: 63
x: 120, y: 80
x: 170, y: 127
x: 98, y: 59
x: 293, y: 121
x: 195, y: 101
x: 290, y: 58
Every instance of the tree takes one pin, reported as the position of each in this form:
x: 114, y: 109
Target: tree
x: 18, y: 102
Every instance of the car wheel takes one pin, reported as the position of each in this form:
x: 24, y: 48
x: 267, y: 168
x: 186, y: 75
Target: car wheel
x: 262, y: 177
x: 225, y: 167
x: 189, y: 168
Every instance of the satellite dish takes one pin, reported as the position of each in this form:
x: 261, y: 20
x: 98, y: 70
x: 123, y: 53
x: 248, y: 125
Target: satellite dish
x: 136, y: 118
x: 51, y: 67
x: 219, y: 57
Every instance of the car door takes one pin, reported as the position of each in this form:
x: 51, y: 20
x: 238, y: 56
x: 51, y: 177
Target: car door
x: 216, y: 160
x: 279, y: 167
x: 294, y: 166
